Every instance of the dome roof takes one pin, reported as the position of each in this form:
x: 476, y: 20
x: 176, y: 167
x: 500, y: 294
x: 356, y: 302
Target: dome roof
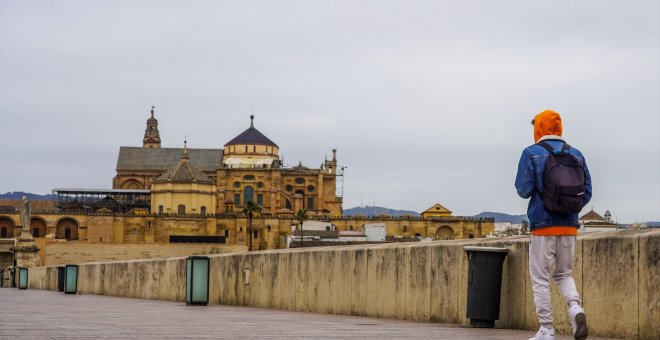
x: 251, y: 136
x: 592, y: 215
x: 184, y: 172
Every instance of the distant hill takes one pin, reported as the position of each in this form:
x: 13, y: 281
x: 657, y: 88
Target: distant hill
x: 375, y: 211
x: 502, y: 217
x: 17, y: 195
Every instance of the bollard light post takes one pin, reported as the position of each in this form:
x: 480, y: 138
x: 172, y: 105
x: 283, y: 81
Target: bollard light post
x: 71, y: 279
x: 22, y: 278
x: 197, y: 280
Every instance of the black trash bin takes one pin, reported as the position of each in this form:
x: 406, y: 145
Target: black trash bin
x: 484, y: 285
x: 60, y: 278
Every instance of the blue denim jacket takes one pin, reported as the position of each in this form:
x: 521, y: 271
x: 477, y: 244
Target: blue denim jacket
x: 529, y: 183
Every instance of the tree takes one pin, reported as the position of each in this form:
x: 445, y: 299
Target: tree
x: 301, y: 216
x: 249, y: 210
x: 524, y: 227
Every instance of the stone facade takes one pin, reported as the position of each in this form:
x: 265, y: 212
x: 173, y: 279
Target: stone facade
x: 198, y: 195
x: 270, y: 230
x: 248, y: 168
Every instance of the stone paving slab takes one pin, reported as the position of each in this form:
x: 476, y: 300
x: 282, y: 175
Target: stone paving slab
x: 37, y: 314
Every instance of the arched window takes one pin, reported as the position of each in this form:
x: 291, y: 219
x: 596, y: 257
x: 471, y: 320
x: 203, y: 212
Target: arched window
x: 67, y: 228
x: 248, y: 194
x: 202, y: 211
x: 160, y: 209
x: 182, y: 209
x: 288, y: 204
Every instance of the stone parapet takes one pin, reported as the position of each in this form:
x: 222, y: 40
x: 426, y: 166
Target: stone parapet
x: 616, y: 273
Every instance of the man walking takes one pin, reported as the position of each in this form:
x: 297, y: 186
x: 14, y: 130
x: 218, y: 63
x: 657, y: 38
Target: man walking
x: 555, y: 177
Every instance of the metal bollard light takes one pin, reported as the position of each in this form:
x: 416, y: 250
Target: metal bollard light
x: 60, y: 278
x: 197, y: 280
x: 22, y: 278
x: 71, y: 279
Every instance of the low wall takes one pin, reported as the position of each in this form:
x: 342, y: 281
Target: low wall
x: 615, y: 272
x: 57, y: 253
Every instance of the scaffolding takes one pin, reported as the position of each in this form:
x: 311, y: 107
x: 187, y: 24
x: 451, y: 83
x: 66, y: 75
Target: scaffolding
x: 101, y: 200
x: 339, y: 192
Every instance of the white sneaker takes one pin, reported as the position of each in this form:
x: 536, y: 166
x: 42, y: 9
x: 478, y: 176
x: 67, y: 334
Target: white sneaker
x: 579, y: 322
x: 544, y: 334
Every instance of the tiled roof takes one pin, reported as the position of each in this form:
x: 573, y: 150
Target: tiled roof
x: 184, y: 172
x: 251, y: 136
x: 592, y: 215
x: 34, y: 204
x: 437, y: 208
x: 161, y: 159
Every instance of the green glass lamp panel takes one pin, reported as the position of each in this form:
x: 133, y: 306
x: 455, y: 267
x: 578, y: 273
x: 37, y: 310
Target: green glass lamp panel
x: 71, y: 279
x: 22, y: 278
x: 200, y: 281
x: 188, y: 279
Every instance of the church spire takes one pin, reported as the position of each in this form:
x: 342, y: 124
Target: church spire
x: 251, y: 121
x: 185, y: 149
x: 151, y: 135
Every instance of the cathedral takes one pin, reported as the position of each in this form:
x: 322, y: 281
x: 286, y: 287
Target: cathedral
x: 209, y: 181
x: 188, y: 195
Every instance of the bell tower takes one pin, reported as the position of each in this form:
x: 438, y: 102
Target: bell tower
x: 151, y: 135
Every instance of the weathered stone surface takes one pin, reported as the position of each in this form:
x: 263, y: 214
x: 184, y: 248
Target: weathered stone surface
x: 351, y: 279
x: 649, y: 286
x: 418, y: 284
x: 615, y: 273
x: 387, y: 267
x: 323, y: 283
x: 610, y: 290
x: 515, y: 284
x: 444, y: 282
x: 287, y: 280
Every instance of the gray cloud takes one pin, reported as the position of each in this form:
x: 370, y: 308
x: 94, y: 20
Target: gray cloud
x: 427, y: 101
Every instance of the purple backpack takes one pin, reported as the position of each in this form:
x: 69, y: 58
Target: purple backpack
x: 563, y: 181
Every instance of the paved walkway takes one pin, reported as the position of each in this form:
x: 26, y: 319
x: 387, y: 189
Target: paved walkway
x: 36, y: 314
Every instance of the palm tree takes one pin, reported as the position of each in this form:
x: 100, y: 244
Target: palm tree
x: 301, y: 216
x: 249, y: 210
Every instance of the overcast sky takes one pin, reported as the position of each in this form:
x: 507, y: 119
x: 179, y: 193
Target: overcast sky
x: 426, y: 101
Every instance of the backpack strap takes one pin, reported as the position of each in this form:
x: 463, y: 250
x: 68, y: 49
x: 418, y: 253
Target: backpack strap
x: 564, y: 148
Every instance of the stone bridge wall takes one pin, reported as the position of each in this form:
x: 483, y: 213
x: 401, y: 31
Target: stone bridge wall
x: 617, y: 274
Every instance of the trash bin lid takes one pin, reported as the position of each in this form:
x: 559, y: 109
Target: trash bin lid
x: 487, y: 249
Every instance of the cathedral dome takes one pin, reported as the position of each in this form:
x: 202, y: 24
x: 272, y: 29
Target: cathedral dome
x: 251, y: 136
x: 184, y: 172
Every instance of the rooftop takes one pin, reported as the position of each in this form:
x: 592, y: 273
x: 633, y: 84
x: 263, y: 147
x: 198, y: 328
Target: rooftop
x: 251, y: 136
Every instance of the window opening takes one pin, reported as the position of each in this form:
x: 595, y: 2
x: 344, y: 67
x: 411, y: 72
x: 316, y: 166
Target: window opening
x: 248, y: 194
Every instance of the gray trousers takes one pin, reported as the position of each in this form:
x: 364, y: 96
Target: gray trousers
x: 544, y: 252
